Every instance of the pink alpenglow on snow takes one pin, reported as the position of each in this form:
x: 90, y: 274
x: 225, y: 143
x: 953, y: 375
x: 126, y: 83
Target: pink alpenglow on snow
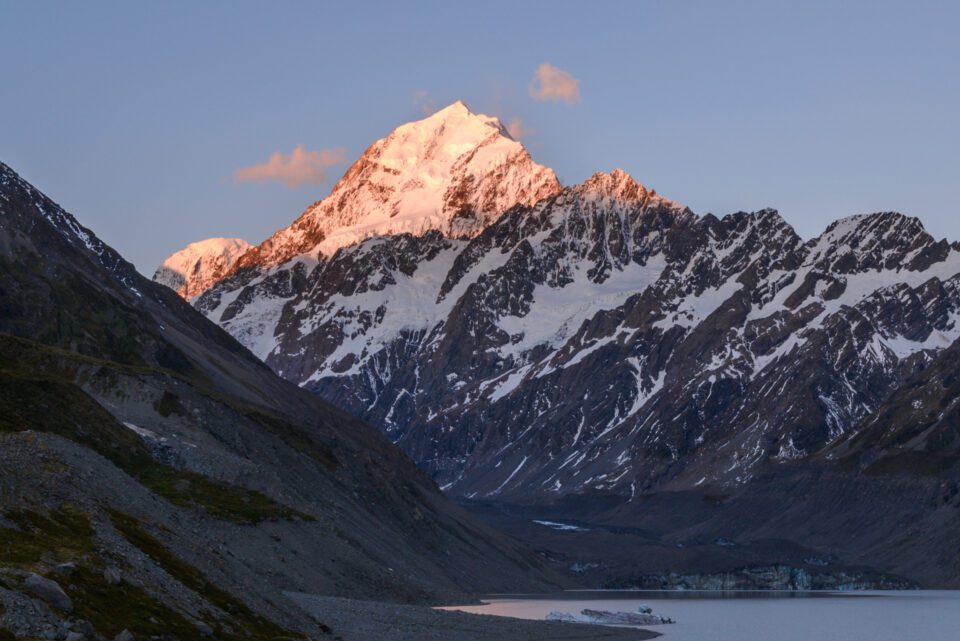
x: 455, y: 171
x: 199, y: 265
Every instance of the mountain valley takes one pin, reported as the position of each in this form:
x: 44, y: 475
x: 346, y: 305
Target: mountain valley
x: 601, y: 340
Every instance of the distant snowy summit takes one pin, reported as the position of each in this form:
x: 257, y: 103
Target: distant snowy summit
x: 455, y: 172
x: 196, y: 267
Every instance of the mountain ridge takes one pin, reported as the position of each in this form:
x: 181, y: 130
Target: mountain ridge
x: 608, y: 342
x: 350, y: 325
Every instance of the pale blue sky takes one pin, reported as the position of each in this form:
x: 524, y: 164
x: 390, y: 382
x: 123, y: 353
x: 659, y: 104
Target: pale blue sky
x: 134, y: 115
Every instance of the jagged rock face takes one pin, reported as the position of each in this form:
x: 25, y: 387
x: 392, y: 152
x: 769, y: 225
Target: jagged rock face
x: 454, y: 171
x: 607, y: 339
x: 916, y: 430
x: 192, y: 270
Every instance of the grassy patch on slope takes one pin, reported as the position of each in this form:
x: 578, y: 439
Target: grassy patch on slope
x: 36, y: 541
x: 249, y: 625
x: 33, y: 398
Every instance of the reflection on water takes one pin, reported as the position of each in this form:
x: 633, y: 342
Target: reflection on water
x: 919, y: 615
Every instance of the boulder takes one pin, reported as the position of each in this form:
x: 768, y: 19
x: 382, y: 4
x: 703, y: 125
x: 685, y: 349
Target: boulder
x: 49, y: 591
x: 126, y: 635
x: 204, y: 629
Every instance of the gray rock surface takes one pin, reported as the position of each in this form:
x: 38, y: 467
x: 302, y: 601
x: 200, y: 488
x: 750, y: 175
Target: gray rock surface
x: 112, y: 575
x: 50, y: 591
x: 203, y: 628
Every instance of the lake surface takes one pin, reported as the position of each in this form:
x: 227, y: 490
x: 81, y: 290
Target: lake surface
x: 918, y: 615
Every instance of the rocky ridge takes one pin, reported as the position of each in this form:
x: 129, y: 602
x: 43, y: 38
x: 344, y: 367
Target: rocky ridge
x: 608, y: 339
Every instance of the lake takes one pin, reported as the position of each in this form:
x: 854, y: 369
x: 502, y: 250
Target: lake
x: 918, y: 615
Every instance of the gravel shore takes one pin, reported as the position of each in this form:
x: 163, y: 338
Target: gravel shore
x: 355, y: 620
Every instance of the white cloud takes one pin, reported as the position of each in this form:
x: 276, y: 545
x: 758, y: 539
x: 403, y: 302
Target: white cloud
x: 299, y: 167
x: 517, y: 130
x: 554, y: 84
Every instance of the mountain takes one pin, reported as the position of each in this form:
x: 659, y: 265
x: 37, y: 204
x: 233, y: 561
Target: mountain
x: 193, y: 269
x: 605, y: 345
x: 157, y: 477
x: 455, y: 172
x: 608, y: 339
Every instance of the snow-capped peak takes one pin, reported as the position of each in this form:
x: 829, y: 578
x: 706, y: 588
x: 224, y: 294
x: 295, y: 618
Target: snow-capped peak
x: 199, y: 265
x: 455, y: 171
x: 620, y: 187
x: 887, y: 240
x: 617, y: 184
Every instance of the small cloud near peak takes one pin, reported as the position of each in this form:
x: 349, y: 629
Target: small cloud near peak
x: 424, y: 103
x: 517, y: 130
x: 554, y: 84
x: 299, y: 167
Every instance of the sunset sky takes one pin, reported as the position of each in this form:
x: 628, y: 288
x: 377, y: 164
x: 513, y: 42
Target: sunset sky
x: 162, y: 123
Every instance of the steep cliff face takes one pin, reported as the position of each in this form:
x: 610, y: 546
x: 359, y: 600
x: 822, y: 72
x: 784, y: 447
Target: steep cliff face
x: 603, y: 342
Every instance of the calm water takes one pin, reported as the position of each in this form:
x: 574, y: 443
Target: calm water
x: 921, y: 615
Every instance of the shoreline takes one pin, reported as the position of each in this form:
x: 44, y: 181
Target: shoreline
x: 357, y: 620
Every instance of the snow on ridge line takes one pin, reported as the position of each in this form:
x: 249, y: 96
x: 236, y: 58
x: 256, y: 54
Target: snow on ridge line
x: 567, y: 319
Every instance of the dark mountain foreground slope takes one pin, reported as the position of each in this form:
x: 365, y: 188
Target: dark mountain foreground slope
x: 158, y: 478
